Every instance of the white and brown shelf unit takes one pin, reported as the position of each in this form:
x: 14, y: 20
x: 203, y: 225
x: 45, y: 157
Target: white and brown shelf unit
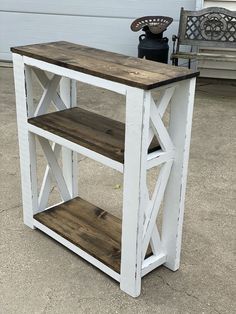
x: 125, y: 249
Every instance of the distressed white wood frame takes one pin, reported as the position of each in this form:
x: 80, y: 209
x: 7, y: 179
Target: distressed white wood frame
x: 27, y: 145
x: 140, y: 212
x: 180, y: 132
x: 67, y: 184
x: 139, y: 229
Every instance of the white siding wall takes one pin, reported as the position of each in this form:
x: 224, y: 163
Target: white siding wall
x: 102, y: 24
x: 228, y: 4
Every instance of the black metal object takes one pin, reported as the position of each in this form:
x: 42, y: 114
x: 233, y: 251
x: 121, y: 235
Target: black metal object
x: 152, y: 44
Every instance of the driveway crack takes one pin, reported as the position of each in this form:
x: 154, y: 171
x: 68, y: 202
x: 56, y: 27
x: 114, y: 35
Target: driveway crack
x: 188, y: 294
x: 9, y: 208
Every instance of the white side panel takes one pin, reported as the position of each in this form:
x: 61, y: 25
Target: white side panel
x: 27, y: 145
x: 173, y: 206
x: 134, y: 198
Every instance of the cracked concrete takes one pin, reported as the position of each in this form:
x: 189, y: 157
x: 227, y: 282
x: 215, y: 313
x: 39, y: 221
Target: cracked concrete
x: 37, y: 275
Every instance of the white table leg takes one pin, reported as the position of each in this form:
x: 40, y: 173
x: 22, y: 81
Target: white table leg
x: 180, y: 133
x: 27, y: 146
x: 69, y: 158
x: 134, y: 198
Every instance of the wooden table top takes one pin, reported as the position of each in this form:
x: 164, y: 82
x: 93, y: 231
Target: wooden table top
x: 115, y: 67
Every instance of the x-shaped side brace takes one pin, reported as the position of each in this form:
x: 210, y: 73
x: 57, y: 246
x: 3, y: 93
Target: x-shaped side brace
x: 158, y: 129
x: 49, y: 94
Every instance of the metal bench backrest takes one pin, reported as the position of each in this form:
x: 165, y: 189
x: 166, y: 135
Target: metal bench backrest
x: 211, y: 27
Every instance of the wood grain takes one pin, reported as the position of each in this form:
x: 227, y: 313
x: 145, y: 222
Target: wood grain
x: 98, y: 133
x: 119, y: 68
x: 91, y: 228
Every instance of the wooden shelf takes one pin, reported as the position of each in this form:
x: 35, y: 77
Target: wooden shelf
x: 111, y: 66
x: 95, y: 132
x: 90, y: 228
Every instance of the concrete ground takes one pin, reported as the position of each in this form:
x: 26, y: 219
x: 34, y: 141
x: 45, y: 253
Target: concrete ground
x: 38, y: 275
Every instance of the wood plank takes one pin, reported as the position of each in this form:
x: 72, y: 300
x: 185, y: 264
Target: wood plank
x: 93, y: 131
x: 119, y: 68
x: 90, y: 228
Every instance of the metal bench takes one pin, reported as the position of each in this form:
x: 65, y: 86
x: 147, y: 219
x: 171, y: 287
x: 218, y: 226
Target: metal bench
x: 208, y: 28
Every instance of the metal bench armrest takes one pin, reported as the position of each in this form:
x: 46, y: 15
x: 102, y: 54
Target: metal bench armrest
x: 175, y: 41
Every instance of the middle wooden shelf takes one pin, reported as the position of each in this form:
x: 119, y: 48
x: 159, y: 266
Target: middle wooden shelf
x: 88, y: 129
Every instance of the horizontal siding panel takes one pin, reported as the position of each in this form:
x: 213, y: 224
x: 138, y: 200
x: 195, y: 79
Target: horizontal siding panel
x: 112, y: 34
x: 108, y: 8
x: 217, y: 65
x: 5, y: 56
x: 215, y: 73
x: 230, y: 5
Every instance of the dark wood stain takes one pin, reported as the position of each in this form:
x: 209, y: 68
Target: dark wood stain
x: 98, y: 133
x: 119, y: 68
x: 92, y: 229
x: 88, y: 227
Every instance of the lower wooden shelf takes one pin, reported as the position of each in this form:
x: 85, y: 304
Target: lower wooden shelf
x: 90, y: 228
